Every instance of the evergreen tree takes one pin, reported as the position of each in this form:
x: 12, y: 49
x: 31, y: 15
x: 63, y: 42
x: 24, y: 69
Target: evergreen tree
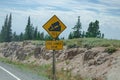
x: 97, y: 31
x: 48, y: 37
x: 3, y: 34
x: 21, y: 37
x: 29, y: 30
x: 102, y: 36
x: 38, y: 36
x: 9, y: 30
x: 93, y: 30
x: 6, y: 32
x: 35, y: 33
x: 83, y: 34
x: 77, y: 29
x: 62, y: 38
x: 5, y: 29
x: 90, y: 30
x: 14, y: 37
x: 32, y: 32
x: 70, y: 35
x: 42, y: 36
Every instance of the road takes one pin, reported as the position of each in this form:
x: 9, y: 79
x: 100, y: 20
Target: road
x: 10, y: 72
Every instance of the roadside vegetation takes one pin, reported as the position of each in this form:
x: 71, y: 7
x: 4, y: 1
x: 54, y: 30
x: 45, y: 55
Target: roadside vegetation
x: 91, y: 42
x: 42, y: 70
x: 86, y: 43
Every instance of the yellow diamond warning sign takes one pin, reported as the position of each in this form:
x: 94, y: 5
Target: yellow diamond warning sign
x: 54, y: 26
x: 54, y: 45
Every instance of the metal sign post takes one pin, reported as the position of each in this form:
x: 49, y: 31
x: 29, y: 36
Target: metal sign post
x: 54, y: 66
x: 54, y: 27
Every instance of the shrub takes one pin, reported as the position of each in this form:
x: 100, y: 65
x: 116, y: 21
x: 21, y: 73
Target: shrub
x: 110, y: 50
x: 72, y: 46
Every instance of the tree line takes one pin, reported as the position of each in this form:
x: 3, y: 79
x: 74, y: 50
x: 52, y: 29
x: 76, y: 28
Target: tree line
x: 32, y: 33
x: 93, y: 31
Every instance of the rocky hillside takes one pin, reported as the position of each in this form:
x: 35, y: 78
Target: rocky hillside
x: 101, y: 63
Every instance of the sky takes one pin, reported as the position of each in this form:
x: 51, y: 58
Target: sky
x: 107, y: 12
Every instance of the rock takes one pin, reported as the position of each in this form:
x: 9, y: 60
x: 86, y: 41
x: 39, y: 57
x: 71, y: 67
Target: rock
x: 26, y: 43
x: 61, y: 57
x: 90, y: 55
x: 21, y: 56
x: 101, y: 58
x: 37, y: 52
x: 91, y: 62
x: 73, y: 52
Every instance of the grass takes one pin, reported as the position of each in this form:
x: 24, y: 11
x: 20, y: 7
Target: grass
x: 40, y: 70
x: 110, y: 50
x: 64, y: 75
x: 86, y: 42
x: 91, y: 42
x: 37, y: 42
x: 43, y: 70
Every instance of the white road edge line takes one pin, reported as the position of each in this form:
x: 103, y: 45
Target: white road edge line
x: 10, y: 73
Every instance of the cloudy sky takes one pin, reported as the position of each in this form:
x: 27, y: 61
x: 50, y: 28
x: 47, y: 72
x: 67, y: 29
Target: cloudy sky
x: 106, y: 11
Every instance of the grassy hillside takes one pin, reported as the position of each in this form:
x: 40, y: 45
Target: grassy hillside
x: 91, y: 42
x: 86, y: 42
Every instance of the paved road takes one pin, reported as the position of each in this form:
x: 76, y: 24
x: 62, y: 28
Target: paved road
x: 10, y: 72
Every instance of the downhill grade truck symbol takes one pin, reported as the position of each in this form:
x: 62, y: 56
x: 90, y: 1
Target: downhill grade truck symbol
x: 55, y: 27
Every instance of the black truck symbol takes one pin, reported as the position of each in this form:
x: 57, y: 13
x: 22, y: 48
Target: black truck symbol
x: 55, y: 27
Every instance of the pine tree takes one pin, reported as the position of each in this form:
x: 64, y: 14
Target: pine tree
x: 6, y: 32
x: 93, y: 30
x: 35, y: 33
x: 9, y: 32
x: 42, y: 36
x: 89, y: 32
x: 21, y: 37
x: 83, y: 34
x: 38, y: 36
x: 14, y: 37
x: 29, y: 30
x: 2, y: 34
x: 97, y: 31
x: 5, y: 29
x: 77, y: 29
x: 48, y: 37
x: 102, y: 36
x: 70, y: 35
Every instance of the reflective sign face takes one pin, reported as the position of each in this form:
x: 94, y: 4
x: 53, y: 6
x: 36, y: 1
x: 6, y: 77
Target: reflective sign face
x: 54, y: 26
x: 54, y: 45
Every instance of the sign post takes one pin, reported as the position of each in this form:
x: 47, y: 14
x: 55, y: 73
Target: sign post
x: 54, y: 27
x: 54, y: 66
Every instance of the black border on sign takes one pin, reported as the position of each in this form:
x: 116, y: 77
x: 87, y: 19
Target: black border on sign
x: 60, y: 21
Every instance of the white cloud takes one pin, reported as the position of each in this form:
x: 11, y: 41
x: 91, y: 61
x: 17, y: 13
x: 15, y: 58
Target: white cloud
x: 111, y: 2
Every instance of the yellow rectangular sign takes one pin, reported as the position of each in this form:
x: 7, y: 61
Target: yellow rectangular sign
x: 54, y: 45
